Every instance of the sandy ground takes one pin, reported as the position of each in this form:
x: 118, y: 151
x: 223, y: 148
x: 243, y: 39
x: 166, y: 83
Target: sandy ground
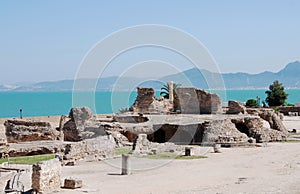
x: 271, y: 169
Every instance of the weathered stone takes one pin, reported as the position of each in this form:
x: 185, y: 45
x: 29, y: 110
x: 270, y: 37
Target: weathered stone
x: 188, y: 102
x: 46, y: 176
x: 222, y: 131
x: 254, y: 127
x: 4, y: 148
x: 196, y: 101
x: 142, y: 145
x: 271, y: 117
x: 71, y: 183
x: 217, y: 148
x: 235, y: 107
x: 90, y: 149
x: 146, y: 102
x: 26, y: 130
x: 82, y: 125
x: 210, y: 103
x: 120, y: 139
x: 145, y: 97
x: 79, y: 115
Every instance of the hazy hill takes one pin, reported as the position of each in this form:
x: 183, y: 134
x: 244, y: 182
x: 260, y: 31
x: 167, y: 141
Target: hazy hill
x: 289, y: 76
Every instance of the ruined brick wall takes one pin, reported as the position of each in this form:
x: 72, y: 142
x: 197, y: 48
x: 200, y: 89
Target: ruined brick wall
x: 26, y: 130
x: 196, y: 101
x: 91, y: 149
x: 144, y: 99
x: 146, y: 102
x: 46, y: 176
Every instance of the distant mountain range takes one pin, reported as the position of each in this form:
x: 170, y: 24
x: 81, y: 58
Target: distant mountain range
x: 205, y: 79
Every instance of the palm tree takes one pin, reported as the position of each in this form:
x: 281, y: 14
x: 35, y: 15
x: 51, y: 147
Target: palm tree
x: 165, y: 90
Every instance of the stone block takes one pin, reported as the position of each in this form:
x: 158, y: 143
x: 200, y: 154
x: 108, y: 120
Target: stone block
x: 46, y: 176
x: 71, y: 183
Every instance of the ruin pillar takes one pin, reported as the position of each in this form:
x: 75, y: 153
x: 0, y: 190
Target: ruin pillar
x: 171, y: 88
x: 126, y: 165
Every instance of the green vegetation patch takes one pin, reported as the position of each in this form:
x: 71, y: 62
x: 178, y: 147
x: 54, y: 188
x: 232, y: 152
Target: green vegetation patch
x: 27, y: 159
x: 122, y: 150
x: 291, y: 141
x: 172, y: 156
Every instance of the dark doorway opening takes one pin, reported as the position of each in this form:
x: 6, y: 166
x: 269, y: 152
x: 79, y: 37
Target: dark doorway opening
x: 242, y: 128
x: 160, y: 136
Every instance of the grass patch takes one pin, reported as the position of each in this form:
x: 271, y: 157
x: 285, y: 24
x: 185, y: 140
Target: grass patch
x: 171, y: 156
x: 122, y: 150
x: 291, y: 141
x: 27, y: 159
x: 190, y: 157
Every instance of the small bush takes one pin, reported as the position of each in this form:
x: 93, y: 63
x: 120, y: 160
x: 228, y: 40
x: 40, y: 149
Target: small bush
x: 251, y: 103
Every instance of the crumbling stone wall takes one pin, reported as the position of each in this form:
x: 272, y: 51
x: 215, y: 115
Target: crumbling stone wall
x: 26, y: 130
x: 46, y: 176
x: 146, y: 102
x: 195, y: 101
x: 145, y: 97
x: 4, y: 147
x: 91, y: 149
x: 142, y: 145
x: 289, y: 109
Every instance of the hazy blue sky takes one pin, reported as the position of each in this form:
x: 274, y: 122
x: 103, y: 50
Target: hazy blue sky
x: 47, y: 40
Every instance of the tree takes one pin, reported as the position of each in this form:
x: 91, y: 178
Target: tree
x: 252, y: 103
x: 165, y: 90
x: 276, y: 95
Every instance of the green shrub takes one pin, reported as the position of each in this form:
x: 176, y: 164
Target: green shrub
x: 251, y: 103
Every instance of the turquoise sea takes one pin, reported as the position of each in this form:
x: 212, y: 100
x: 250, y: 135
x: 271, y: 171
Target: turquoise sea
x: 59, y: 103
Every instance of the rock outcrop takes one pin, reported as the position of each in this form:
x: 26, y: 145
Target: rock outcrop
x: 236, y: 107
x: 26, y: 130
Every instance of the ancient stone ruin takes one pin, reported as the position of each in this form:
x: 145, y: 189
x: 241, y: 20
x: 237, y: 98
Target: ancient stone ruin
x: 21, y: 131
x: 147, y: 103
x: 195, y: 101
x: 46, y: 176
x: 236, y: 107
x: 188, y: 100
x: 81, y: 124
